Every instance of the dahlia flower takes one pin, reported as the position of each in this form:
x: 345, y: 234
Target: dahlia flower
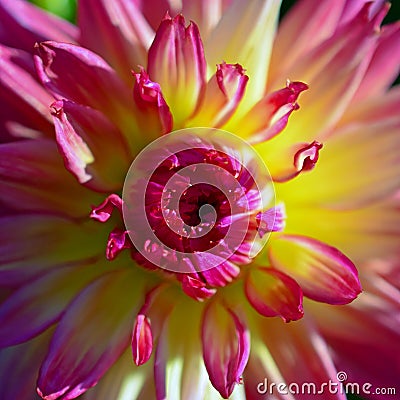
x: 197, y: 202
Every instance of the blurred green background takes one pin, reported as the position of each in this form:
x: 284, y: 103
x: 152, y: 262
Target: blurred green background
x: 67, y: 10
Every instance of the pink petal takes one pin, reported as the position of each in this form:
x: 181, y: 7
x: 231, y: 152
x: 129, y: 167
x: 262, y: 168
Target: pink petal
x: 142, y: 340
x: 271, y: 220
x: 272, y: 293
x: 270, y: 115
x: 28, y: 312
x: 96, y: 330
x: 24, y: 24
x: 223, y: 94
x: 305, y: 158
x: 176, y: 62
x: 221, y: 275
x: 33, y: 177
x: 103, y: 212
x: 32, y: 244
x: 322, y: 271
x: 154, y: 116
x: 117, y: 31
x: 196, y: 288
x: 92, y: 147
x: 25, y: 102
x: 93, y: 83
x: 118, y: 240
x: 226, y: 347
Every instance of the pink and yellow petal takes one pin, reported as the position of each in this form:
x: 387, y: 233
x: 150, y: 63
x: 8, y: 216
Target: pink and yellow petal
x: 100, y: 312
x: 37, y: 305
x: 323, y: 272
x: 32, y: 244
x: 176, y: 62
x: 226, y: 346
x: 246, y: 26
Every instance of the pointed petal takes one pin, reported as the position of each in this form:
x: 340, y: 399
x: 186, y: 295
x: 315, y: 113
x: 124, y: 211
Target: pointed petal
x: 322, y: 271
x: 226, y: 347
x: 270, y: 115
x: 33, y: 177
x: 117, y: 31
x: 272, y: 293
x: 154, y: 115
x: 92, y: 147
x: 246, y: 26
x: 342, y: 59
x: 97, y: 327
x: 94, y: 83
x: 118, y: 240
x: 23, y: 24
x: 31, y: 244
x: 223, y: 94
x: 176, y: 62
x: 37, y: 305
x: 25, y: 103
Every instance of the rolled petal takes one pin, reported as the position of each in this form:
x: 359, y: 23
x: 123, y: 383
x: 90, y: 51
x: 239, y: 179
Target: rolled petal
x: 270, y: 115
x: 96, y: 328
x: 226, y: 347
x: 176, y: 62
x: 154, y: 116
x: 323, y: 272
x: 142, y: 340
x: 94, y: 84
x: 272, y: 293
x: 37, y: 305
x: 301, y: 158
x: 23, y: 24
x: 92, y: 147
x: 102, y: 212
x: 223, y: 93
x: 222, y: 274
x: 24, y: 111
x: 246, y: 26
x: 117, y: 31
x: 38, y: 161
x: 32, y: 244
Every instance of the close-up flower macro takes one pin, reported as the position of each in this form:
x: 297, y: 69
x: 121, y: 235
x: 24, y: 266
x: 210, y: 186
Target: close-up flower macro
x: 200, y: 199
